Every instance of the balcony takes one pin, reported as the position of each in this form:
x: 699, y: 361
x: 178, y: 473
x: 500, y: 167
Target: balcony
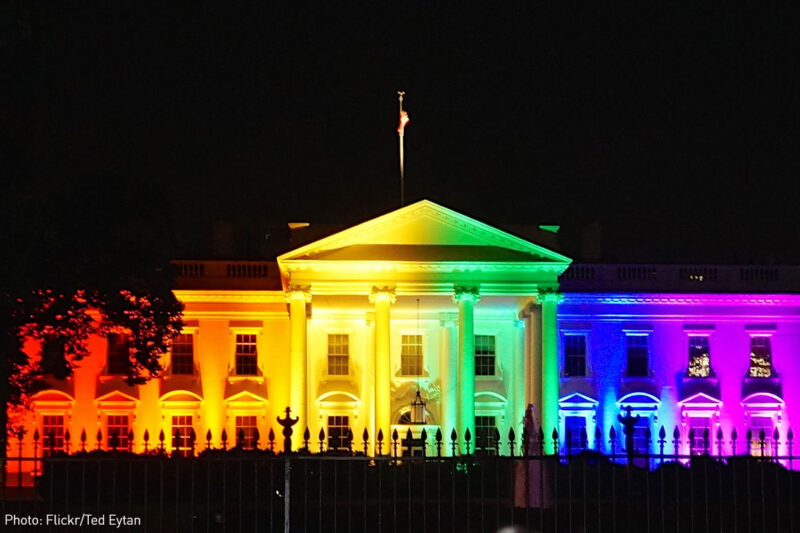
x: 227, y: 275
x: 680, y: 278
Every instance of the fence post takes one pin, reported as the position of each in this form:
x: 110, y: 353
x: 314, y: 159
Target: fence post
x: 734, y: 438
x: 287, y: 492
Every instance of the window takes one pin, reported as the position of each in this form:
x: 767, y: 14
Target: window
x: 760, y: 357
x: 485, y: 435
x: 699, y: 356
x: 641, y: 442
x: 484, y: 355
x: 118, y: 355
x: 575, y: 432
x: 246, y: 354
x: 117, y: 432
x: 411, y: 355
x: 182, y: 435
x: 699, y: 424
x: 54, y: 361
x: 247, y: 426
x: 338, y: 432
x: 183, y: 354
x: 757, y: 425
x: 574, y: 355
x: 53, y: 434
x: 338, y: 355
x: 637, y: 355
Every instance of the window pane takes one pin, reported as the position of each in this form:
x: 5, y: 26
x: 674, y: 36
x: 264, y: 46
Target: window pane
x: 760, y: 357
x: 338, y: 431
x: 181, y: 434
x: 411, y: 355
x: 117, y: 359
x: 699, y: 356
x: 246, y: 425
x: 575, y: 355
x: 485, y: 434
x: 484, y: 355
x: 575, y: 428
x: 338, y: 355
x: 183, y: 354
x: 52, y: 434
x: 246, y: 355
x: 699, y: 425
x: 117, y: 432
x: 758, y: 447
x: 637, y: 355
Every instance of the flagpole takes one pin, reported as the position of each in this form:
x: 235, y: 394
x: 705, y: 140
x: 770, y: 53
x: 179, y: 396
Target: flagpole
x: 400, y: 136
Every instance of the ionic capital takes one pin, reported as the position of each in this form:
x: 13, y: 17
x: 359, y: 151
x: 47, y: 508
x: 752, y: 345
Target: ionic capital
x: 384, y: 294
x: 299, y: 293
x: 466, y: 293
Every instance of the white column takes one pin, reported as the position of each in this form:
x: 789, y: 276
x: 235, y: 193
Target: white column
x: 449, y: 375
x: 383, y: 299
x: 518, y: 376
x: 466, y: 298
x: 549, y: 301
x: 298, y: 358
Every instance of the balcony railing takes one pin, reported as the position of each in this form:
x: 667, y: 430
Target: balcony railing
x: 680, y: 278
x: 242, y: 275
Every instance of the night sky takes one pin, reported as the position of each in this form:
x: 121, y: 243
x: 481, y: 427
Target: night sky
x: 673, y: 128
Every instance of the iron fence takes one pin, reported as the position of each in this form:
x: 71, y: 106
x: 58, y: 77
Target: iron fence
x: 236, y: 489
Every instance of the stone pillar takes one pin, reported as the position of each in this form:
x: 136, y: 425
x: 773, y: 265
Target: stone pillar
x: 517, y: 375
x: 549, y: 302
x: 383, y: 299
x: 449, y: 376
x: 298, y: 357
x: 466, y: 298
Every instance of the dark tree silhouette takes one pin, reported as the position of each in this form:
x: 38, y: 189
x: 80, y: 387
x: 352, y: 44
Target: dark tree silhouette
x: 81, y: 258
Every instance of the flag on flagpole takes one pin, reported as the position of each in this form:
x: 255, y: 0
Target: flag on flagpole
x: 403, y: 121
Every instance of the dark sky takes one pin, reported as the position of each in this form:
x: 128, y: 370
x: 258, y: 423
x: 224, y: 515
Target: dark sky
x: 674, y: 127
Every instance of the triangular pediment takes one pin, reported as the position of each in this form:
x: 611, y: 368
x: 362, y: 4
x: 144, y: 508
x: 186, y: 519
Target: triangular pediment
x: 576, y: 398
x: 116, y: 397
x: 424, y: 232
x: 700, y: 398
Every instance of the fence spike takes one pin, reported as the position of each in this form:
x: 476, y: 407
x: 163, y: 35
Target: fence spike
x: 662, y: 433
x: 676, y: 433
x: 612, y: 433
x: 720, y: 436
x: 256, y: 437
x: 321, y: 439
x: 409, y: 435
x: 424, y: 438
x: 776, y: 435
x: 379, y: 441
x: 790, y: 435
x: 99, y: 437
x: 208, y: 439
x: 271, y: 439
x: 734, y: 434
x: 192, y: 440
x: 240, y: 438
x: 224, y: 439
x: 350, y: 440
x: 36, y: 435
x: 438, y: 435
x: 512, y: 437
x: 467, y: 439
x: 394, y: 434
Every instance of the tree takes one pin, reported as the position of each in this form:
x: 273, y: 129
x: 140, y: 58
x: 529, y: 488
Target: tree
x: 82, y: 257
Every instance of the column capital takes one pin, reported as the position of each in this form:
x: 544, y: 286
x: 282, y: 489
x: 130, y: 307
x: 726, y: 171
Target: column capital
x: 466, y: 293
x: 299, y: 292
x: 379, y: 294
x: 448, y: 320
x: 549, y: 296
